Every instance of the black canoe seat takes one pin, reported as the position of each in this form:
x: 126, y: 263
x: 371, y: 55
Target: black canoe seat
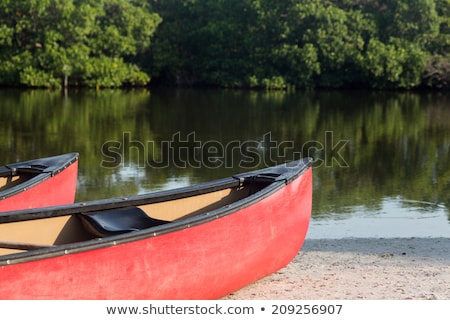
x: 116, y: 221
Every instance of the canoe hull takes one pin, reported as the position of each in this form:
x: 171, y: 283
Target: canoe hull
x: 206, y: 261
x: 57, y: 189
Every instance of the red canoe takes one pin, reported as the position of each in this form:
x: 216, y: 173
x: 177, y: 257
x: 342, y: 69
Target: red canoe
x: 39, y: 183
x: 197, y: 242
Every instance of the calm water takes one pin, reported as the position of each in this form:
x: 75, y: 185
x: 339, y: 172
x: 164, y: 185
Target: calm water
x: 382, y: 160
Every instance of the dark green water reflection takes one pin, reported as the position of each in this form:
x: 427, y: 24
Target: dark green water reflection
x: 382, y: 156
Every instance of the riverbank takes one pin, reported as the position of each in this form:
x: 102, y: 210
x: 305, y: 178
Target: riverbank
x: 360, y: 268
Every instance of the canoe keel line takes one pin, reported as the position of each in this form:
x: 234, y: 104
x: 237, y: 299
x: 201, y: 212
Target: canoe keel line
x: 206, y: 241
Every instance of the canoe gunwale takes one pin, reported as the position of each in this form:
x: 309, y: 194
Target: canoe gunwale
x: 44, y: 169
x: 115, y: 203
x: 277, y: 183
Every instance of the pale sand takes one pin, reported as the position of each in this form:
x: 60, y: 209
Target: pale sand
x: 356, y: 268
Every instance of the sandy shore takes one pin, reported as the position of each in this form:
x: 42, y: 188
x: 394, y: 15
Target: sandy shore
x: 344, y: 269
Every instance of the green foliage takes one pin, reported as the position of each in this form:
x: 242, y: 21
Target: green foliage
x: 411, y: 20
x: 339, y: 37
x: 37, y: 78
x: 228, y: 43
x: 274, y: 83
x: 299, y: 65
x: 44, y: 41
x: 299, y: 43
x: 112, y: 72
x: 398, y: 64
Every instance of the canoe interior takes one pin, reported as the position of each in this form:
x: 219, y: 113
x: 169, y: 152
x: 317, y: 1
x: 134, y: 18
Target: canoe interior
x: 10, y: 181
x: 69, y: 228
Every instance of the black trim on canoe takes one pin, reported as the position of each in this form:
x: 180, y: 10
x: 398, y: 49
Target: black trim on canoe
x: 44, y: 168
x: 277, y: 177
